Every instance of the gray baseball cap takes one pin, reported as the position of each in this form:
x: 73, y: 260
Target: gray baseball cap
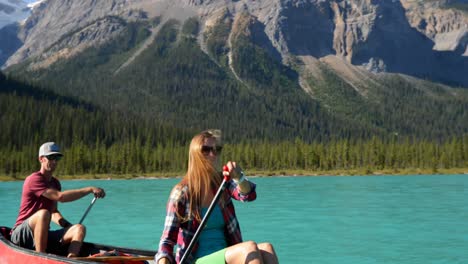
x: 49, y: 148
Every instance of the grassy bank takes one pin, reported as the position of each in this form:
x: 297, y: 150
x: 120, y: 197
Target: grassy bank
x: 258, y: 173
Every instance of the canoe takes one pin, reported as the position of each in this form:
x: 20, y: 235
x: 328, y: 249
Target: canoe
x: 90, y: 253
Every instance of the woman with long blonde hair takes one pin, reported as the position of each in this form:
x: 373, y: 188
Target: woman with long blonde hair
x: 220, y: 241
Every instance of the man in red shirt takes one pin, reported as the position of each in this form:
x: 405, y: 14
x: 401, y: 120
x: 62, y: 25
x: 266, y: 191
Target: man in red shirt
x: 41, y: 192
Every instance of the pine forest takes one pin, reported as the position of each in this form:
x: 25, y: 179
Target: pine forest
x: 139, y: 119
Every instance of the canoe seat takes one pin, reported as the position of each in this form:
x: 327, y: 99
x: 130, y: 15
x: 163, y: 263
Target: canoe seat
x: 5, y: 232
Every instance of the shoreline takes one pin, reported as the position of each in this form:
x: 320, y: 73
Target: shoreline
x: 260, y: 173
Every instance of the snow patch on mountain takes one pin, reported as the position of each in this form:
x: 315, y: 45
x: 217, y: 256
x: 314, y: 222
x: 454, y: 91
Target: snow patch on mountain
x: 33, y: 4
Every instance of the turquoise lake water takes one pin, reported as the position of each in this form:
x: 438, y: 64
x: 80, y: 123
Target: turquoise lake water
x: 327, y: 220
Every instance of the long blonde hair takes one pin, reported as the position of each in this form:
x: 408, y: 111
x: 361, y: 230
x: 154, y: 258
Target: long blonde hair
x: 202, y: 176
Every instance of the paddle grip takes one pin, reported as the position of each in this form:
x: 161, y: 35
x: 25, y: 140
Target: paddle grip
x: 226, y: 176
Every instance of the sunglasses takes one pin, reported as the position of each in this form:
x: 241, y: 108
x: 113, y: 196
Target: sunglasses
x: 215, y: 150
x: 54, y: 157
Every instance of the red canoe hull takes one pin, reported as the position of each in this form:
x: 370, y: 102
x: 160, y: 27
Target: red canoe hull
x: 12, y: 254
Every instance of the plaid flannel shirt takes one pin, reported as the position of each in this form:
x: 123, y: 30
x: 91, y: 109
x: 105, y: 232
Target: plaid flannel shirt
x: 182, y: 233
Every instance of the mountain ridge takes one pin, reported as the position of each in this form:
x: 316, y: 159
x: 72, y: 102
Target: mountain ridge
x: 346, y: 29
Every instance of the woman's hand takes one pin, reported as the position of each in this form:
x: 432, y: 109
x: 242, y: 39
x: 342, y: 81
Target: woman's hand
x: 235, y: 172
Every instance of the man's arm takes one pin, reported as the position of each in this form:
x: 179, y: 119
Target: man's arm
x: 72, y: 195
x: 60, y: 220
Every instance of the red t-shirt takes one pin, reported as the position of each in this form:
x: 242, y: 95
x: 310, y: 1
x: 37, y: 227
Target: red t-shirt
x: 32, y: 200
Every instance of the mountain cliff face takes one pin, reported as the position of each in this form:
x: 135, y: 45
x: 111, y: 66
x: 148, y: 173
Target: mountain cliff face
x: 425, y: 39
x: 55, y: 20
x: 446, y: 27
x: 307, y: 67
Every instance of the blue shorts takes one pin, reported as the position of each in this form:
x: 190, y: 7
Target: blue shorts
x: 23, y: 236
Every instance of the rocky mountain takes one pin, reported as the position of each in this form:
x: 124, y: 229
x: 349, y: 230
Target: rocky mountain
x: 325, y: 63
x: 425, y: 39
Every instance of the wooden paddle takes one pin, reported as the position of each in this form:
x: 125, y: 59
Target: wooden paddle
x: 207, y: 215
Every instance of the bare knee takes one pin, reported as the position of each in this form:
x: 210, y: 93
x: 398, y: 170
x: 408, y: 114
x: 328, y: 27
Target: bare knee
x: 268, y: 253
x: 80, y: 228
x: 245, y: 252
x: 75, y: 233
x: 251, y: 252
x: 268, y: 247
x: 79, y: 231
x: 42, y: 218
x: 250, y: 246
